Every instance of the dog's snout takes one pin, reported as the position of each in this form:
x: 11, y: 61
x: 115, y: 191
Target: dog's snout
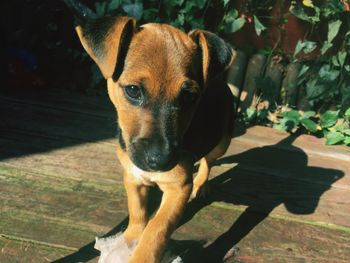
x: 160, y: 157
x: 157, y: 155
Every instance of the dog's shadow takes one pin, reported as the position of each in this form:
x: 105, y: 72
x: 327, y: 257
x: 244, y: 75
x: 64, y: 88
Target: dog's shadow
x: 279, y: 175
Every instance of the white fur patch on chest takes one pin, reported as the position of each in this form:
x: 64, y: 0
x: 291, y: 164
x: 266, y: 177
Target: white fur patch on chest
x: 145, y: 177
x: 138, y: 173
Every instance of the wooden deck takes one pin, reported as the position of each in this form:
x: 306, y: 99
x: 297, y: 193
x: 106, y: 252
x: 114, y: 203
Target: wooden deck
x: 275, y: 198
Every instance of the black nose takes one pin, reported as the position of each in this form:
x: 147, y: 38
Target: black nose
x: 160, y: 157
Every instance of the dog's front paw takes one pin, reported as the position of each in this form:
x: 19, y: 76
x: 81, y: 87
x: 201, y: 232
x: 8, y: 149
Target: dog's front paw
x: 200, y: 191
x: 114, y: 249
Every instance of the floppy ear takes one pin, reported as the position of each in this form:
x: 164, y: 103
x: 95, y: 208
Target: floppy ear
x: 105, y: 39
x: 217, y: 55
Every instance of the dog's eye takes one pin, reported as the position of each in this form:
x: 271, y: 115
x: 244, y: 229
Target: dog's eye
x: 133, y: 92
x: 188, y: 98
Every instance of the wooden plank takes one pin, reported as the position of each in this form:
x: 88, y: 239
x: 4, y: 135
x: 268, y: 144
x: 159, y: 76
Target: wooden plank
x: 89, y: 161
x: 92, y: 204
x: 312, y: 145
x: 260, y: 239
x: 56, y: 211
x: 24, y: 250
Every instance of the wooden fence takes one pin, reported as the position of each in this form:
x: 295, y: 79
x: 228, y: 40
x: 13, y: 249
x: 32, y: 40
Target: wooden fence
x: 249, y: 78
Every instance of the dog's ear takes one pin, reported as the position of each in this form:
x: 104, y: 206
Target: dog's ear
x: 216, y: 54
x: 105, y: 39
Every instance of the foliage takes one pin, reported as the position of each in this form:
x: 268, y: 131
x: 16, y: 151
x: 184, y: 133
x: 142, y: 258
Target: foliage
x: 325, y: 80
x: 333, y: 125
x: 184, y: 14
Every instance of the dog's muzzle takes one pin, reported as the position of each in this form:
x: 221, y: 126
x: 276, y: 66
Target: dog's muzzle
x: 154, y: 155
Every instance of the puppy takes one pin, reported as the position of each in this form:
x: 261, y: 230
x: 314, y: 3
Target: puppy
x: 173, y: 109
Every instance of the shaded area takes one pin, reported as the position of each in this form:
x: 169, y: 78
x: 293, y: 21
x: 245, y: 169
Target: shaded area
x: 299, y: 188
x: 41, y: 120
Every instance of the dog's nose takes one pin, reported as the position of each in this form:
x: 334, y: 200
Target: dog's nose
x: 161, y: 158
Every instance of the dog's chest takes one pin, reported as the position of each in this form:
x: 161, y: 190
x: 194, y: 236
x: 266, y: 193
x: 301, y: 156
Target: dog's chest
x: 142, y: 176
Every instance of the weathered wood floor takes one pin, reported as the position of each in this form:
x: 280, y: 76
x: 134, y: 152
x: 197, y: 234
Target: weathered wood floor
x: 276, y: 197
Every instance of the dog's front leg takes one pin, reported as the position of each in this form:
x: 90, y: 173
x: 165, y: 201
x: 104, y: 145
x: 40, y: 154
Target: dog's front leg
x: 137, y: 204
x: 159, y: 229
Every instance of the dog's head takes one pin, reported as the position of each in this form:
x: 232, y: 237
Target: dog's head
x: 156, y: 75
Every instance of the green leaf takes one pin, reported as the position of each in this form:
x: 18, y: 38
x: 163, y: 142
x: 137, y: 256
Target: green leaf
x: 173, y: 3
x: 293, y: 114
x: 309, y: 125
x: 346, y: 131
x: 234, y: 26
x: 335, y: 61
x: 325, y: 47
x: 329, y: 118
x: 299, y: 47
x: 298, y: 11
x: 347, y: 113
x: 286, y: 124
x: 226, y: 2
x: 333, y: 29
x: 135, y: 10
x: 181, y: 19
x: 100, y: 8
x: 259, y: 27
x: 339, y: 126
x: 114, y: 4
x: 334, y: 138
x: 341, y: 57
x: 250, y: 114
x: 347, y: 141
x: 290, y: 119
x: 328, y: 74
x: 308, y: 114
x: 306, y: 46
x: 314, y: 89
x: 309, y: 46
x: 303, y: 70
x: 231, y: 15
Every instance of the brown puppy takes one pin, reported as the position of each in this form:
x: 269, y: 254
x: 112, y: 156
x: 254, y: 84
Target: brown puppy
x: 173, y: 109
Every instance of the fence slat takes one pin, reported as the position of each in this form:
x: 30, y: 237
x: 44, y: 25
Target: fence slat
x: 254, y: 69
